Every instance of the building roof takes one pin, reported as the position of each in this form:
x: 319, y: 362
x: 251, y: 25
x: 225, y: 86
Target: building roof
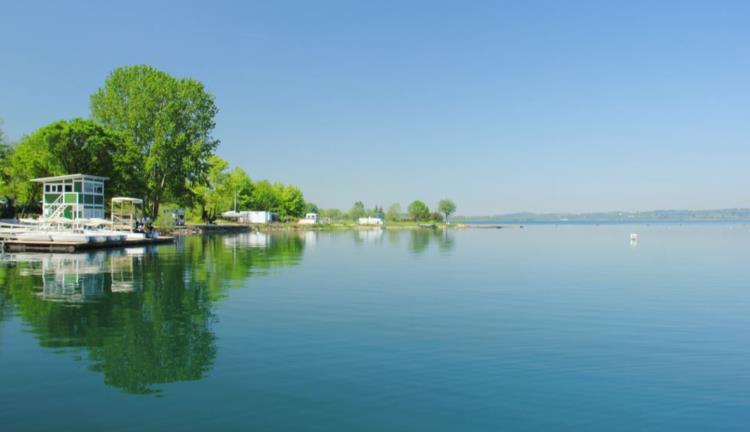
x: 69, y: 177
x: 127, y: 199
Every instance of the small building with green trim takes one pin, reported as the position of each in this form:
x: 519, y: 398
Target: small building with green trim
x: 74, y: 196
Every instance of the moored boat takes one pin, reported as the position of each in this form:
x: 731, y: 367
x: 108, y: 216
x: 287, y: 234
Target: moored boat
x: 63, y: 236
x: 34, y: 236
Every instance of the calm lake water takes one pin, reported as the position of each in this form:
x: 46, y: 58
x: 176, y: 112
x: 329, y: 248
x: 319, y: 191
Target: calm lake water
x: 544, y: 328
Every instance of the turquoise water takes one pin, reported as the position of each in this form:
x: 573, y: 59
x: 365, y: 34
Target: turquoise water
x: 543, y: 328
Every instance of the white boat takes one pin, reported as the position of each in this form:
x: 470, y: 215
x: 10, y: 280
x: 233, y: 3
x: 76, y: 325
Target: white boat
x: 62, y: 236
x: 134, y: 236
x: 34, y: 236
x: 114, y: 236
x: 97, y: 236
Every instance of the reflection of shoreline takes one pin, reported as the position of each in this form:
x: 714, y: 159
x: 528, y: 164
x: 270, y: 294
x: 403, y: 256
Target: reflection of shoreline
x: 143, y: 315
x: 370, y: 236
x: 81, y: 277
x: 421, y: 240
x: 250, y: 239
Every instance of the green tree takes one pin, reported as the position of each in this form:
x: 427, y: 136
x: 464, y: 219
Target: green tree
x: 5, y: 153
x: 311, y: 208
x: 166, y: 123
x: 446, y: 207
x: 394, y: 212
x: 64, y: 147
x: 333, y: 214
x: 419, y: 211
x: 241, y: 187
x: 213, y: 193
x: 291, y: 202
x: 264, y: 196
x: 218, y: 193
x: 357, y: 211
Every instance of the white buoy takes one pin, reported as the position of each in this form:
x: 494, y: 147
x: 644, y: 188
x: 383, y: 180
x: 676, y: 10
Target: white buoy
x: 633, y: 237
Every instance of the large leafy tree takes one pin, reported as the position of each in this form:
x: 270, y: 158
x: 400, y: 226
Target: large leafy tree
x: 222, y: 186
x: 358, y: 210
x: 4, y: 156
x: 166, y: 123
x: 64, y: 147
x: 264, y: 196
x: 291, y: 201
x: 446, y: 207
x: 212, y: 195
x: 240, y: 187
x: 394, y: 212
x: 419, y: 211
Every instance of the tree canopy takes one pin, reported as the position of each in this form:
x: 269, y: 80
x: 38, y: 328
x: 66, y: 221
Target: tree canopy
x: 394, y: 212
x: 419, y: 211
x: 446, y: 207
x: 62, y: 147
x: 166, y: 124
x: 357, y: 211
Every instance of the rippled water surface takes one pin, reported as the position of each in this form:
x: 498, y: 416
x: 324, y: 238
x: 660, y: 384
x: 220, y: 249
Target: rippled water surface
x: 543, y: 328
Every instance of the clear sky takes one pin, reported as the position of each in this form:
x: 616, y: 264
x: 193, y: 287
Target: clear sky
x: 503, y: 106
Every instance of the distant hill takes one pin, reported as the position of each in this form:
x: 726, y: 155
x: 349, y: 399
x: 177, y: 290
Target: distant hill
x: 739, y: 214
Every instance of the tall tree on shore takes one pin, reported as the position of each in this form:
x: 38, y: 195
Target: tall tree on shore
x: 166, y: 124
x: 240, y: 188
x: 419, y: 211
x: 446, y: 207
x: 212, y: 196
x: 291, y: 201
x: 264, y: 197
x: 357, y: 211
x: 5, y: 153
x: 394, y: 212
x: 221, y: 189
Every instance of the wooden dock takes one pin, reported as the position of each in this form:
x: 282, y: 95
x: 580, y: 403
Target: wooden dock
x: 70, y: 247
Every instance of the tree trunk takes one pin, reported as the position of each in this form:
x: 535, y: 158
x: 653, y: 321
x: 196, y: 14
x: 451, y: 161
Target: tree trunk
x: 155, y: 209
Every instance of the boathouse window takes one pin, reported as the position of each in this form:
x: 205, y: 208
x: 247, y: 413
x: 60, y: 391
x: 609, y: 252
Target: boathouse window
x: 68, y: 188
x: 93, y: 188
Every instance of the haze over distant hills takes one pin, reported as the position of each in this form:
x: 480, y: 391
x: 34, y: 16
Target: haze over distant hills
x: 736, y: 214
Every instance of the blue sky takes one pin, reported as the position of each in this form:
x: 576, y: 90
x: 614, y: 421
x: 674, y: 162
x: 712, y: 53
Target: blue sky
x: 503, y: 106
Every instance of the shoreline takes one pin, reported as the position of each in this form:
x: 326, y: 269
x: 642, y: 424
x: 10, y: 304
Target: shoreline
x: 228, y: 228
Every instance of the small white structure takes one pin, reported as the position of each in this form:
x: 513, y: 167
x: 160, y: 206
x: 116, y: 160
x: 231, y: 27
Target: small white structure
x: 253, y: 217
x: 177, y: 215
x: 370, y: 221
x: 310, y: 219
x: 75, y: 196
x: 260, y: 217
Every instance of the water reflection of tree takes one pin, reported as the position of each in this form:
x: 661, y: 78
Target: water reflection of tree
x: 420, y: 240
x: 445, y: 240
x: 159, y: 331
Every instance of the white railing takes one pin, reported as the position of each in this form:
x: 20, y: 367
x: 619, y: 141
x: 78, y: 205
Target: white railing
x: 58, y: 207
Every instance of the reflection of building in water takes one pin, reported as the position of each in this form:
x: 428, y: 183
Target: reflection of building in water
x: 81, y: 277
x: 160, y: 333
x: 73, y: 278
x: 371, y: 235
x: 310, y: 237
x: 122, y: 268
x: 250, y: 239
